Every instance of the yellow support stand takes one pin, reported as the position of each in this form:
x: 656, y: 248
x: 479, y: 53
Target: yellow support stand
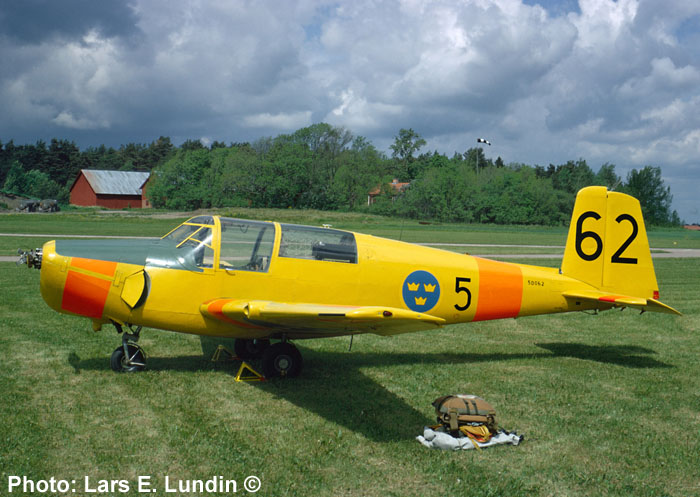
x: 252, y: 374
x: 245, y: 372
x: 219, y: 350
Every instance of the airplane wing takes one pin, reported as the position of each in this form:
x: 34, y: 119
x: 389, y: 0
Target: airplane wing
x: 318, y: 320
x: 603, y: 298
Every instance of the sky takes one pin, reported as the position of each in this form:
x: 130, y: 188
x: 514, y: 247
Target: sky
x: 544, y: 81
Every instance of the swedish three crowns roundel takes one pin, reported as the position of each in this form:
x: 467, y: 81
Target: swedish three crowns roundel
x: 421, y: 291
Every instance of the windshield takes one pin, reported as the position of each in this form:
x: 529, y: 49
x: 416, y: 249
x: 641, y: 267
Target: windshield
x: 189, y: 246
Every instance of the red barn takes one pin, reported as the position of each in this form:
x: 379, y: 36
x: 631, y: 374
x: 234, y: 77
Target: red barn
x: 111, y: 189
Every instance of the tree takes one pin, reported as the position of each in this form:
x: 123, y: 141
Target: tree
x: 6, y: 159
x: 606, y: 177
x: 34, y: 183
x: 648, y: 187
x: 135, y: 157
x: 476, y: 159
x: 572, y: 176
x: 61, y: 161
x: 39, y: 185
x: 15, y: 181
x: 326, y: 167
x: 191, y: 144
x: 361, y: 170
x: 407, y: 143
x: 101, y: 158
x: 177, y: 184
x: 159, y: 151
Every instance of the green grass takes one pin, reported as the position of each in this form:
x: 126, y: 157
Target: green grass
x: 88, y: 223
x: 609, y: 404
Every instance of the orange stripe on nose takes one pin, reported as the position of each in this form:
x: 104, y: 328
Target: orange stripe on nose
x: 500, y: 290
x: 85, y: 295
x: 102, y: 267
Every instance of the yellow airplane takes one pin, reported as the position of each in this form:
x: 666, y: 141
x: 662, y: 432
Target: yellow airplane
x: 261, y: 281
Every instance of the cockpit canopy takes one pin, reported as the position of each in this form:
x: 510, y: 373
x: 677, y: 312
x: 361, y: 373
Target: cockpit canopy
x: 246, y: 245
x: 218, y: 243
x: 240, y: 245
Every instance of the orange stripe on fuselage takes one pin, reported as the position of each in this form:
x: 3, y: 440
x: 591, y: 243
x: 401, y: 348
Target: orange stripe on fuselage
x: 500, y: 290
x: 86, y: 294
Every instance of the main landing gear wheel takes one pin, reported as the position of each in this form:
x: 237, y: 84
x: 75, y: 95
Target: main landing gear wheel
x: 250, y: 349
x: 281, y: 359
x: 131, y: 361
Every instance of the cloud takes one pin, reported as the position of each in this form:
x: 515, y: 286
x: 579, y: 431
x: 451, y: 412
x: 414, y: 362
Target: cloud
x: 548, y: 81
x: 35, y: 21
x: 69, y: 121
x: 358, y: 113
x: 290, y: 122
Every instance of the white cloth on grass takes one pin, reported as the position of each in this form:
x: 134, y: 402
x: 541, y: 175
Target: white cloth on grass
x: 436, y: 439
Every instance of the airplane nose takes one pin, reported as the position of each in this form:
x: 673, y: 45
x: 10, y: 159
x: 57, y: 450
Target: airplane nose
x: 53, y: 275
x: 75, y: 285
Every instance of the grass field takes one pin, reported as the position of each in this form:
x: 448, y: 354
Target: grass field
x: 609, y: 404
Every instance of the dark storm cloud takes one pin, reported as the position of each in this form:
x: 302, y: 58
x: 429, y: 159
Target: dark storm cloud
x: 34, y: 21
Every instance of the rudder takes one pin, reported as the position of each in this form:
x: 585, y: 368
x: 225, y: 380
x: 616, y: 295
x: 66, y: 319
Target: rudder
x: 607, y: 245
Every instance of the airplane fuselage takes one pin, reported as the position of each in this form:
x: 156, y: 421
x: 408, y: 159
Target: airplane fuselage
x: 454, y: 287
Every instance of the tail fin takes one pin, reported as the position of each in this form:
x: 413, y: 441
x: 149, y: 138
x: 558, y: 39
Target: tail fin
x: 607, y: 247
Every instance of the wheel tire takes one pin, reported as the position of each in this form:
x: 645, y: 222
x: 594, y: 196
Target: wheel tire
x: 250, y: 349
x: 281, y: 359
x: 118, y: 359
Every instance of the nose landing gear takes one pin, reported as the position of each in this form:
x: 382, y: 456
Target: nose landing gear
x: 129, y: 357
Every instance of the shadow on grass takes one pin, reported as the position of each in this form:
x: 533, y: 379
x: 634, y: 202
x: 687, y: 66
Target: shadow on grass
x: 629, y: 356
x: 191, y: 363
x: 334, y: 387
x: 354, y: 401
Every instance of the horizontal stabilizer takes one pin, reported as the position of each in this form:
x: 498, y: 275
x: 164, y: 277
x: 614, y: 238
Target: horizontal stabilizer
x: 607, y: 300
x: 319, y: 319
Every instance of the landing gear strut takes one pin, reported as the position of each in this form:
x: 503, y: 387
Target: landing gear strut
x: 128, y: 357
x: 250, y: 349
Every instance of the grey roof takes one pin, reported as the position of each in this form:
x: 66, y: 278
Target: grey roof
x: 115, y: 182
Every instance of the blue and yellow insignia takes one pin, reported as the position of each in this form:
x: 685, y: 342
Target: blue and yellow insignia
x: 421, y: 291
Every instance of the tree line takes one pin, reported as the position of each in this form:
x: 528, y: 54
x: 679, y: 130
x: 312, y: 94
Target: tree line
x: 329, y: 168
